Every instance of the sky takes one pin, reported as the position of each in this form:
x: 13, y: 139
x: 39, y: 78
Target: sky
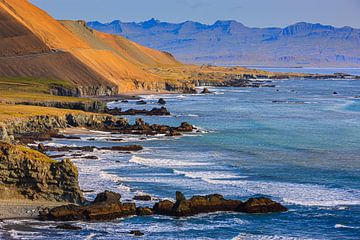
x: 252, y: 13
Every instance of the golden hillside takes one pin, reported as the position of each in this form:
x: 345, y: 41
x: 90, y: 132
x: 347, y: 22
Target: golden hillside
x: 33, y: 44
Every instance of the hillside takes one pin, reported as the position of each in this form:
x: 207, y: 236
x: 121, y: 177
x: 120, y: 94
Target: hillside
x: 232, y: 43
x: 33, y: 44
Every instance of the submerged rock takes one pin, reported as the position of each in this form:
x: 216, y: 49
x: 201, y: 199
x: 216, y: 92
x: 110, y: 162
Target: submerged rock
x: 161, y: 101
x: 141, y: 102
x: 142, y: 197
x: 205, y: 91
x: 136, y: 233
x: 68, y: 227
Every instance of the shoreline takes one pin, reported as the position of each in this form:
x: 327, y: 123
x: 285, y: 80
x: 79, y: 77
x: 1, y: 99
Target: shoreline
x: 15, y: 209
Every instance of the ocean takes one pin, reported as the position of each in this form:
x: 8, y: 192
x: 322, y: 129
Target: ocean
x: 297, y: 143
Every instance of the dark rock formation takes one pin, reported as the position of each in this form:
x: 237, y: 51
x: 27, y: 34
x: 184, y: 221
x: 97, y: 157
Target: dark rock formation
x: 142, y: 197
x: 131, y: 148
x: 144, y: 211
x: 106, y: 206
x: 29, y: 174
x: 153, y: 112
x: 141, y: 102
x: 261, y: 205
x: 108, y: 197
x: 162, y: 101
x: 136, y: 233
x: 68, y: 227
x: 205, y: 91
x: 214, y: 203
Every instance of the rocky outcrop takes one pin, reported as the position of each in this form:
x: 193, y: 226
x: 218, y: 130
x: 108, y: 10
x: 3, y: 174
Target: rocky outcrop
x: 214, y: 203
x: 29, y: 174
x: 106, y: 206
x: 42, y: 125
x: 153, y: 112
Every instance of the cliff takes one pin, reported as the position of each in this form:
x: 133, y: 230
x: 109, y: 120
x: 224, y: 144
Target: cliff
x: 28, y: 174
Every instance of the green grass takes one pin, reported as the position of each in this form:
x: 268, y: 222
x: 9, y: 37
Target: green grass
x: 34, y: 89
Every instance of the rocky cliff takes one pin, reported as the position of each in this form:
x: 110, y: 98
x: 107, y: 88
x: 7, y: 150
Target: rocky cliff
x: 28, y: 174
x: 40, y: 124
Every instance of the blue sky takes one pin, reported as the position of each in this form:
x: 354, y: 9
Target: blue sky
x: 254, y: 13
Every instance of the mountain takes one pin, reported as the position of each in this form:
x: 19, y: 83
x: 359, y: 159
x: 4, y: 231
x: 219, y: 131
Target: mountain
x: 33, y: 44
x: 232, y: 43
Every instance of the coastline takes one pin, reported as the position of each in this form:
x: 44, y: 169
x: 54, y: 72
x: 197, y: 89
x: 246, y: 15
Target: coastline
x: 24, y: 209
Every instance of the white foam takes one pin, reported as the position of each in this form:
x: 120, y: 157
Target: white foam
x: 209, y: 175
x: 245, y: 236
x: 345, y: 226
x: 170, y: 163
x: 299, y: 194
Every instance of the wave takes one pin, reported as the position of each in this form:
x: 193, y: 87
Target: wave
x: 245, y: 236
x: 345, y: 226
x: 209, y: 175
x: 161, y: 162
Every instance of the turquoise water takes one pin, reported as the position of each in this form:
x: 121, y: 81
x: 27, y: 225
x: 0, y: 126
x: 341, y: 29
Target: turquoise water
x: 297, y: 143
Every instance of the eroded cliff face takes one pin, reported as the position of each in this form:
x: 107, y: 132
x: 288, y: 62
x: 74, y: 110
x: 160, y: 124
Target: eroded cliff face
x: 11, y: 131
x: 29, y: 174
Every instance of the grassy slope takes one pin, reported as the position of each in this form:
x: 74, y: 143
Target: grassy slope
x: 33, y: 89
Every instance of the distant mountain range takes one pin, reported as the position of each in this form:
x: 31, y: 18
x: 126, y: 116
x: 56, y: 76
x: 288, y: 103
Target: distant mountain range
x: 232, y: 43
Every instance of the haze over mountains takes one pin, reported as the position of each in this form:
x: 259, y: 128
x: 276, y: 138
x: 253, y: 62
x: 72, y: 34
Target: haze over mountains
x: 232, y: 43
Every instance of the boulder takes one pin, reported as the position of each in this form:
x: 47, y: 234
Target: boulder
x: 106, y: 206
x: 261, y: 205
x: 161, y: 101
x: 141, y: 102
x: 108, y: 197
x: 142, y: 197
x: 205, y: 91
x: 164, y: 207
x: 136, y: 233
x: 144, y: 211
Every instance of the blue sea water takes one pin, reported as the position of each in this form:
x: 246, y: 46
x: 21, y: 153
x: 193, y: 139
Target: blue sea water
x: 297, y: 143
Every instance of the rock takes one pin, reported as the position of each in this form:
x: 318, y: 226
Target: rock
x: 141, y: 102
x: 164, y: 207
x: 173, y: 133
x: 185, y: 127
x: 139, y: 122
x: 105, y: 207
x: 205, y: 91
x: 142, y: 197
x: 161, y: 101
x: 132, y: 148
x: 68, y: 227
x: 335, y: 93
x: 136, y: 233
x: 124, y: 101
x: 91, y: 157
x: 41, y: 147
x: 159, y: 112
x: 108, y: 197
x: 180, y: 196
x: 144, y: 211
x: 261, y: 205
x: 214, y: 203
